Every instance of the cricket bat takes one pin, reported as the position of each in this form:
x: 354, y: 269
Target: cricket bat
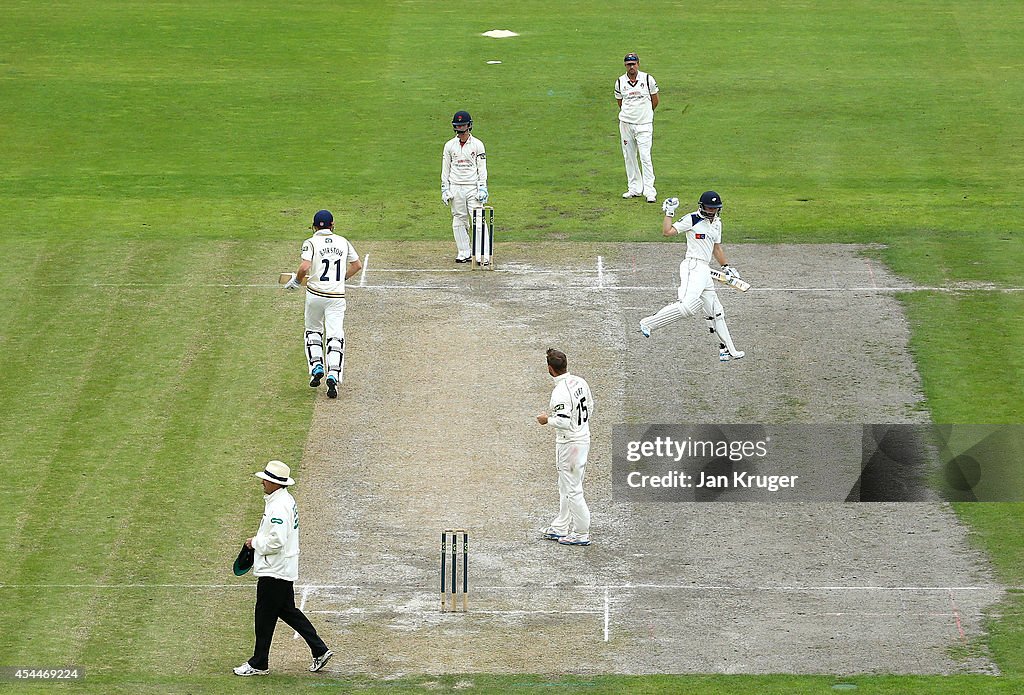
x: 283, y: 279
x: 721, y: 277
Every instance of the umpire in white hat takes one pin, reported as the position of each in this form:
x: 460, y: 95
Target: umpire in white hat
x: 276, y: 564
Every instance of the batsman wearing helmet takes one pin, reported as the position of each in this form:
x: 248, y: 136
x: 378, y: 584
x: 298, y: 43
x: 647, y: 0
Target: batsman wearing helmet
x: 328, y: 260
x: 463, y: 181
x: 703, y: 229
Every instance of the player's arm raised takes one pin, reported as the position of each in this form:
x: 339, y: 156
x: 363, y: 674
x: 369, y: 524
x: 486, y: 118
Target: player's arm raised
x: 669, y: 207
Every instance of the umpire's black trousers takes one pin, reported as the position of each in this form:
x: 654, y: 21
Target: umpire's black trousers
x: 275, y: 598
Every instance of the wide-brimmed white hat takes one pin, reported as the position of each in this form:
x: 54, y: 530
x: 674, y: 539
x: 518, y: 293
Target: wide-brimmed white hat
x: 277, y: 472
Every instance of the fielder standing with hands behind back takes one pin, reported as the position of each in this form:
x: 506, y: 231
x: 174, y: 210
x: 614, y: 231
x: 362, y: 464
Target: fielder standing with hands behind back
x: 463, y: 181
x: 570, y: 410
x: 637, y: 94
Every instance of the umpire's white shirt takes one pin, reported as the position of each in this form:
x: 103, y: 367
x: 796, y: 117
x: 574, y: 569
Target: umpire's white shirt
x: 701, y: 235
x: 571, y: 407
x: 329, y: 256
x: 636, y: 98
x: 277, y: 542
x: 464, y: 165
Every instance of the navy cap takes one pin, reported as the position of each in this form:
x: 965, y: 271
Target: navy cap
x: 631, y: 58
x: 323, y: 219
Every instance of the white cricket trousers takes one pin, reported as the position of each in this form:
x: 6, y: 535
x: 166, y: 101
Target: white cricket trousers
x: 696, y: 293
x: 573, y: 512
x: 464, y: 199
x: 325, y: 328
x: 636, y: 142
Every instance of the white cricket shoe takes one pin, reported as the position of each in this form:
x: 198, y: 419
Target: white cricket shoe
x: 247, y: 670
x: 552, y: 534
x: 320, y: 661
x: 575, y: 539
x: 723, y: 355
x: 630, y: 194
x: 738, y: 355
x: 652, y: 199
x: 644, y: 330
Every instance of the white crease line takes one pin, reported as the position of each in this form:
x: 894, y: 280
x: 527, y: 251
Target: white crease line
x: 559, y: 287
x: 600, y: 271
x: 727, y: 587
x: 532, y: 587
x: 606, y: 615
x: 302, y: 603
x: 362, y: 276
x: 424, y: 270
x: 434, y: 611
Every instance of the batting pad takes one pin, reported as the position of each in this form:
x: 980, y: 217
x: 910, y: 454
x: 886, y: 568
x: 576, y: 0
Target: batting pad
x: 668, y: 315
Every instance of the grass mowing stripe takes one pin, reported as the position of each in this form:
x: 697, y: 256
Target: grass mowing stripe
x: 182, y: 502
x: 967, y: 348
x: 103, y: 462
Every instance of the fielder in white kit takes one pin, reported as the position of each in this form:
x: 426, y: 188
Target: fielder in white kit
x: 569, y: 412
x: 464, y: 182
x: 703, y: 230
x: 637, y: 95
x: 328, y: 260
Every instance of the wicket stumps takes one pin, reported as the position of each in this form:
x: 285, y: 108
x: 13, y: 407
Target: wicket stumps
x: 449, y: 594
x: 483, y: 237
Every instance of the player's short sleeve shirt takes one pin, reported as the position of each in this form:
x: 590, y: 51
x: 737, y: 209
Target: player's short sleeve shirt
x: 329, y: 256
x: 701, y: 235
x: 636, y: 98
x: 572, y: 401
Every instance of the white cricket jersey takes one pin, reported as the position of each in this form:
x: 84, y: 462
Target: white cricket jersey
x: 464, y: 164
x: 329, y: 256
x: 636, y: 98
x: 701, y: 235
x: 570, y: 408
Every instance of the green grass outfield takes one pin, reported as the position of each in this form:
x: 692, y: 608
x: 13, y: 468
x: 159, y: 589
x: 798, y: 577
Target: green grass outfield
x: 179, y: 145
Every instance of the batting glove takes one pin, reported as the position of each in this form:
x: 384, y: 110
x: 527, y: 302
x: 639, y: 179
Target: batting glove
x: 730, y: 271
x: 446, y: 197
x: 292, y: 284
x: 482, y: 195
x: 669, y: 206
